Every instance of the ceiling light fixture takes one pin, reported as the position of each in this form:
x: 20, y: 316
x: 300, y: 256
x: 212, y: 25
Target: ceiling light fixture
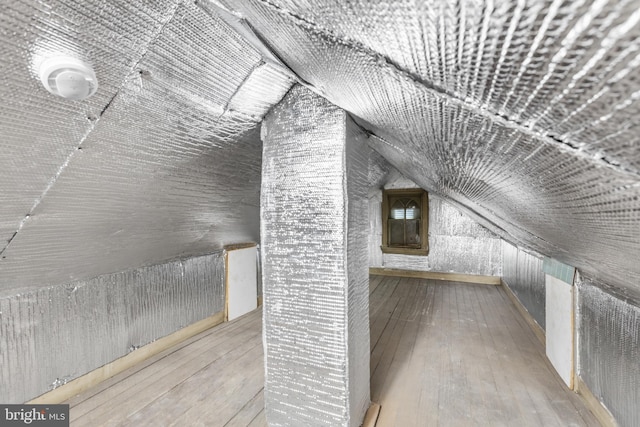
x: 68, y: 77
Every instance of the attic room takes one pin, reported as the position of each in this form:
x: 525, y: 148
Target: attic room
x: 327, y: 213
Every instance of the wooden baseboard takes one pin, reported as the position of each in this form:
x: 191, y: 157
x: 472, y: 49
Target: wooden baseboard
x: 593, y: 403
x: 537, y: 329
x: 91, y: 379
x: 371, y: 417
x: 435, y: 275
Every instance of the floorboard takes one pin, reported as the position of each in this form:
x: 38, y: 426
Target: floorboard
x: 442, y: 354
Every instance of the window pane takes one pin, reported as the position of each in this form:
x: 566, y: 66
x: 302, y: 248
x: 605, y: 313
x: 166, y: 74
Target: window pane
x: 397, y: 210
x: 413, y: 232
x: 413, y: 210
x: 396, y: 232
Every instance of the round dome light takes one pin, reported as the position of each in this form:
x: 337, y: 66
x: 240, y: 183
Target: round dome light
x: 68, y: 77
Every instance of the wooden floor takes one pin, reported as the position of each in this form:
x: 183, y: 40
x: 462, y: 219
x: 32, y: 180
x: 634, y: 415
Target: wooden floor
x: 442, y: 354
x: 456, y: 354
x: 213, y: 379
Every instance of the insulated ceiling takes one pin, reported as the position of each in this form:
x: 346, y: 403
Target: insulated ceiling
x: 164, y: 161
x: 524, y: 112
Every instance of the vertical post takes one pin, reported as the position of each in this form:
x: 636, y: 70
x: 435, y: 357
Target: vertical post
x: 315, y: 272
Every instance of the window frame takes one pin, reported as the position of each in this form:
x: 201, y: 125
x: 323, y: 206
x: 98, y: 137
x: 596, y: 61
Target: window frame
x: 424, y: 221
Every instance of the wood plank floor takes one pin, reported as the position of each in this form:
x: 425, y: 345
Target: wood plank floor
x: 456, y: 354
x: 442, y: 354
x: 213, y: 379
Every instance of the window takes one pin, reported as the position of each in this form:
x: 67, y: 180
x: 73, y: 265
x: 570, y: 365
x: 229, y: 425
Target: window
x: 405, y: 216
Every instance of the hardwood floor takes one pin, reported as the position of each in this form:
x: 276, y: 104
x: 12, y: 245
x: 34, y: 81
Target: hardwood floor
x: 456, y: 354
x: 213, y: 379
x: 442, y: 354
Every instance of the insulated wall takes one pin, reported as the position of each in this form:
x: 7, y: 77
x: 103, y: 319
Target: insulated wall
x: 457, y: 243
x: 55, y: 334
x: 522, y: 271
x: 609, y: 349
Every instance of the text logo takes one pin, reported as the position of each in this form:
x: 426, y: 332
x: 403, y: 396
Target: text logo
x: 34, y: 415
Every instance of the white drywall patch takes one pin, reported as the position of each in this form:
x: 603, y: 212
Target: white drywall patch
x: 559, y: 327
x: 242, y: 284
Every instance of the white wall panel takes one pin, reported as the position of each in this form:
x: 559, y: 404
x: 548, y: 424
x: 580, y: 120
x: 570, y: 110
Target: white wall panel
x: 242, y: 284
x: 559, y: 327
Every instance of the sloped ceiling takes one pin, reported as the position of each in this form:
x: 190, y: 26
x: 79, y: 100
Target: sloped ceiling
x: 164, y: 161
x: 525, y: 113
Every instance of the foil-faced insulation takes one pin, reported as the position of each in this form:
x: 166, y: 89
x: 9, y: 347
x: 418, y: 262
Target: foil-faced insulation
x: 456, y: 242
x: 54, y: 334
x: 264, y: 88
x: 525, y: 114
x: 609, y: 349
x: 314, y: 252
x: 522, y: 272
x: 39, y: 131
x: 355, y: 173
x: 163, y: 162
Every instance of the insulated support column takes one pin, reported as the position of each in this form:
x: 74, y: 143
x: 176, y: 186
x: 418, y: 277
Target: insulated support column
x: 315, y: 272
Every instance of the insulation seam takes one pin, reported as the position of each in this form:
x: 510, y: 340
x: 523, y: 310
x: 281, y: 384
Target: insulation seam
x: 94, y: 122
x: 495, y: 117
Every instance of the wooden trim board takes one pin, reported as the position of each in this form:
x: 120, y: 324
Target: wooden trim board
x: 435, y: 275
x: 595, y: 406
x: 91, y: 379
x: 537, y: 329
x: 237, y: 246
x: 226, y: 286
x: 371, y: 417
